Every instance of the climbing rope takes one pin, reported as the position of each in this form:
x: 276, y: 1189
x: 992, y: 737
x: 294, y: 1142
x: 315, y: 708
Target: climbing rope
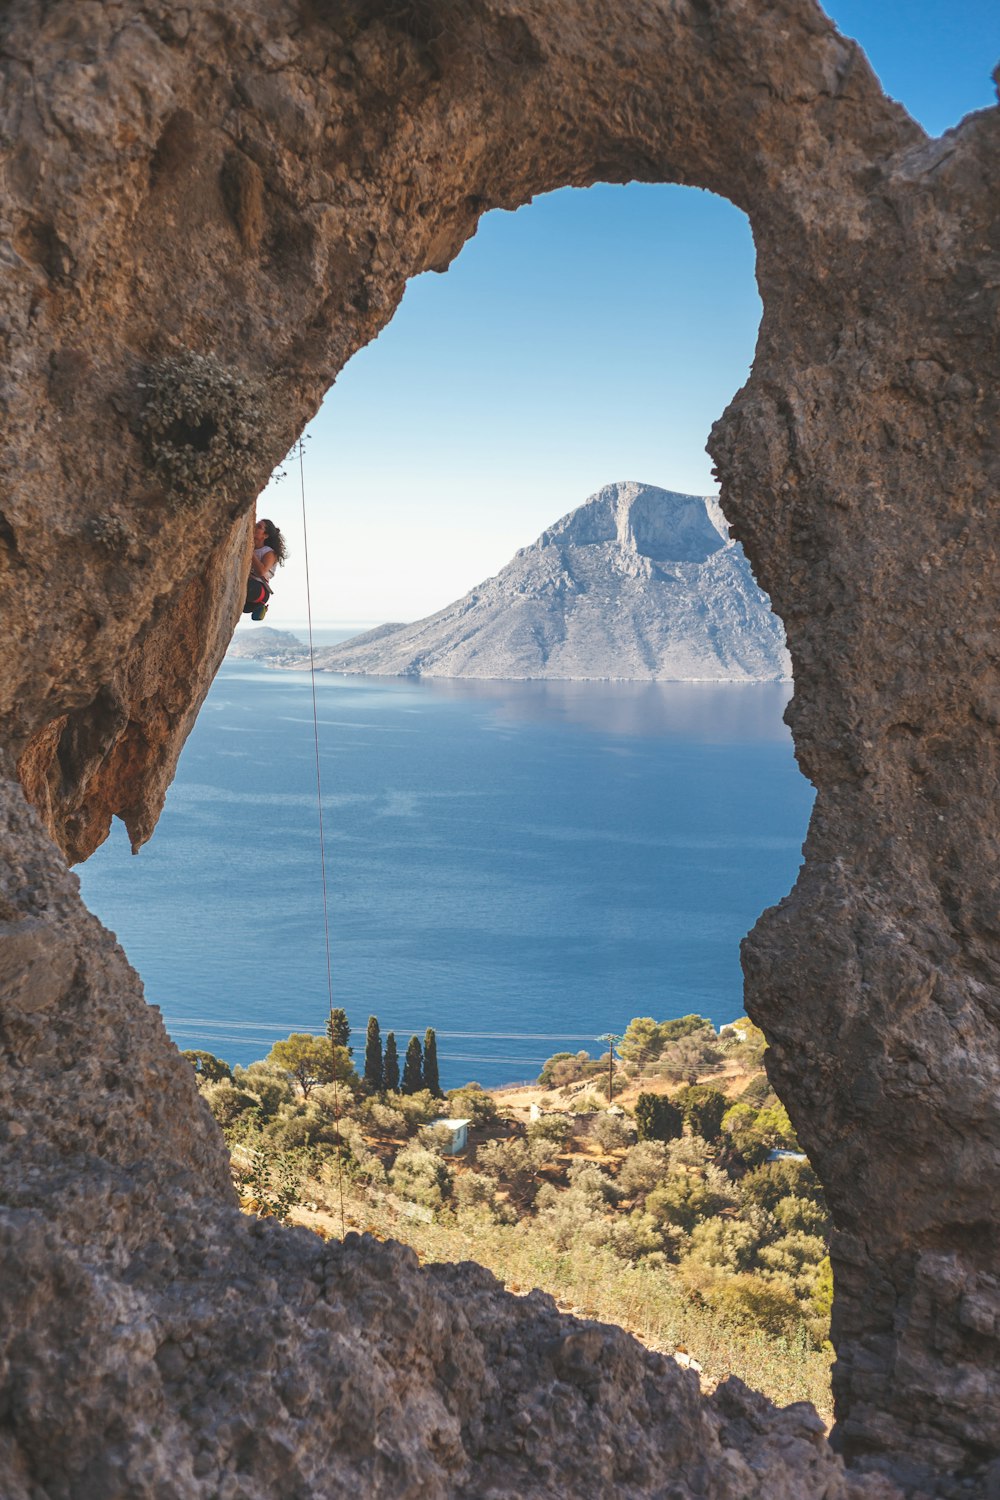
x: 322, y: 838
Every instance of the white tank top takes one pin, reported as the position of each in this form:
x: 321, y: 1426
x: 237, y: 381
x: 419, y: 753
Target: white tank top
x: 260, y: 553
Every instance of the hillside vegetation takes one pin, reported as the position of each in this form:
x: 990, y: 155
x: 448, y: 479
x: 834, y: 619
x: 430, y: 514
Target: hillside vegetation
x: 680, y: 1209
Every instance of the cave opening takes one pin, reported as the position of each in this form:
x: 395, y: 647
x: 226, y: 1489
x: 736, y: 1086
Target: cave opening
x: 695, y: 810
x: 857, y: 466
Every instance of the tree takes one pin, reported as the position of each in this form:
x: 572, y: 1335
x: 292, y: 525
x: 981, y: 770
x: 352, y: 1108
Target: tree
x: 642, y: 1041
x: 568, y: 1067
x: 390, y: 1065
x: 209, y: 1069
x: 472, y: 1102
x: 373, y: 1056
x: 307, y: 1058
x: 338, y: 1029
x: 413, y: 1071
x: 703, y: 1108
x: 690, y: 1025
x: 690, y: 1055
x: 430, y: 1074
x: 657, y: 1119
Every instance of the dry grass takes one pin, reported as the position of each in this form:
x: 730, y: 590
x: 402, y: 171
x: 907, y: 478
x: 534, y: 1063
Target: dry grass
x: 593, y: 1283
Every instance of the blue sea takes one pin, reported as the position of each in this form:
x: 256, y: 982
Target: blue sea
x: 522, y: 866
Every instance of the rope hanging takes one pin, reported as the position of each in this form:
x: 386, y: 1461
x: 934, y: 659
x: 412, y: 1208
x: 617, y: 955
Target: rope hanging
x: 322, y: 838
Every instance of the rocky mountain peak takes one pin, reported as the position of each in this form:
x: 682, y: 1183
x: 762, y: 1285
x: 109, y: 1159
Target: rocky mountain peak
x: 637, y: 584
x: 644, y: 521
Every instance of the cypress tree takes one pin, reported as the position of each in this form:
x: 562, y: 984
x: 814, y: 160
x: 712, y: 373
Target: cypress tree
x: 338, y: 1029
x: 373, y: 1056
x: 657, y: 1119
x: 390, y: 1065
x: 431, y: 1080
x: 413, y: 1072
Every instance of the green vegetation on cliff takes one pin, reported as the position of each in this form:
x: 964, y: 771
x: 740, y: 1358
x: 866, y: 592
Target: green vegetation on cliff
x: 689, y: 1216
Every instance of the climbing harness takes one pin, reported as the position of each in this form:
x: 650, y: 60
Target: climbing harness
x: 258, y: 597
x: 322, y: 840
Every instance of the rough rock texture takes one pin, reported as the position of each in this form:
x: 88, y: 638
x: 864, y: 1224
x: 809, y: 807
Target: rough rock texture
x: 637, y: 584
x: 156, y: 1342
x: 206, y: 209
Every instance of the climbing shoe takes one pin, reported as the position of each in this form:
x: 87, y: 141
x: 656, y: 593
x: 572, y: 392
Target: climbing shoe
x: 259, y: 612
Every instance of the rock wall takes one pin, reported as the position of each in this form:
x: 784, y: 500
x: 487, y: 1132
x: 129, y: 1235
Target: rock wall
x: 207, y: 209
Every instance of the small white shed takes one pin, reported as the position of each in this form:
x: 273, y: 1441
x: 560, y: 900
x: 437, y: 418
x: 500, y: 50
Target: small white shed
x: 458, y: 1130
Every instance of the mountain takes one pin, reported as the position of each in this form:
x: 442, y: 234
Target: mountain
x: 267, y: 647
x: 638, y: 583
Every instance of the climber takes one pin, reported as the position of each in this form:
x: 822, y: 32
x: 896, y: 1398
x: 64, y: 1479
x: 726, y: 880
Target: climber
x: 268, y: 551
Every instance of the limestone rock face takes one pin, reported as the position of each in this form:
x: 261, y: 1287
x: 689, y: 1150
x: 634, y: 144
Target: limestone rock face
x: 638, y: 583
x: 206, y: 210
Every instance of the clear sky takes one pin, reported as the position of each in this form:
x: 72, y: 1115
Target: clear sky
x: 594, y: 335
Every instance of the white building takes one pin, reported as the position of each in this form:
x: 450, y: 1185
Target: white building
x: 457, y: 1129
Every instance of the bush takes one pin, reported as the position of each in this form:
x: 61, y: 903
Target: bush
x: 204, y: 427
x: 383, y: 1118
x: 688, y: 1057
x: 357, y: 1159
x: 472, y: 1103
x: 305, y: 1130
x: 745, y: 1298
x: 421, y: 1176
x: 657, y: 1118
x: 569, y: 1216
x: 589, y: 1178
x: 272, y: 1086
x: 611, y: 1132
x: 517, y: 1163
x: 726, y: 1244
x: 645, y: 1165
x: 269, y: 1182
x: 642, y: 1234
x: 555, y: 1128
x: 417, y: 1108
x: 804, y: 1214
x: 568, y: 1067
x: 475, y: 1190
x: 436, y: 1138
x: 688, y: 1197
x: 768, y: 1184
x: 690, y: 1151
x: 797, y: 1256
x: 229, y: 1104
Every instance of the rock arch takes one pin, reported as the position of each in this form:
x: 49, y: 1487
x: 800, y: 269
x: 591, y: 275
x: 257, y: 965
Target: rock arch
x: 208, y: 209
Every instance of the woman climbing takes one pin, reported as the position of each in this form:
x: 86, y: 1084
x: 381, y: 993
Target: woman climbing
x: 268, y: 551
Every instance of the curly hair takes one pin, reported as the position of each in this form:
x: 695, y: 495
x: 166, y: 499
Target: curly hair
x: 274, y: 539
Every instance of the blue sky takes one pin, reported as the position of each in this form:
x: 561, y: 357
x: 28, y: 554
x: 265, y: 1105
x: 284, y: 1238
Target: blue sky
x: 593, y: 335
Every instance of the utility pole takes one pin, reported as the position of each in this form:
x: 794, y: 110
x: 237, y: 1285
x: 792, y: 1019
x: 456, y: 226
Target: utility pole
x: 612, y: 1038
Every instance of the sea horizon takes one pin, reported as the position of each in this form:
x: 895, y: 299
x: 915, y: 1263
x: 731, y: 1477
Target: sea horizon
x: 521, y: 866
